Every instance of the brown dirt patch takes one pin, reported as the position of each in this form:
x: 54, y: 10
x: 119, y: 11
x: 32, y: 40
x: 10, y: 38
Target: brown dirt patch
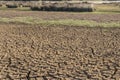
x: 61, y: 15
x: 30, y: 52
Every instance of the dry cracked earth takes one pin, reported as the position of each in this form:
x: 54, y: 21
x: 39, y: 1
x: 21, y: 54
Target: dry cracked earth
x: 34, y: 52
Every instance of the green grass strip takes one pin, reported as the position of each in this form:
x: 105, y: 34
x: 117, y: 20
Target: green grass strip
x: 67, y: 22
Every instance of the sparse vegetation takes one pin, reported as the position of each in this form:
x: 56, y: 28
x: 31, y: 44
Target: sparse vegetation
x: 11, y: 6
x: 67, y: 22
x: 77, y: 7
x: 113, y: 8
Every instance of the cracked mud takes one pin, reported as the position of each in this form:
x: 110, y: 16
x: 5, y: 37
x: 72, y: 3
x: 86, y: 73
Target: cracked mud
x: 30, y: 52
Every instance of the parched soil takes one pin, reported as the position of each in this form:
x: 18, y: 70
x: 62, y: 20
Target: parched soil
x: 34, y: 52
x: 61, y: 15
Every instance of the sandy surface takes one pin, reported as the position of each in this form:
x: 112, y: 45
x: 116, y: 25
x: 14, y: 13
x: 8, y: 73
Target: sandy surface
x: 34, y: 52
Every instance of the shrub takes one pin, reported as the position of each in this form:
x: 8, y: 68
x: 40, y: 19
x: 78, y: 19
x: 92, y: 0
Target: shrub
x: 12, y: 5
x: 35, y: 8
x: 77, y: 7
x: 0, y: 5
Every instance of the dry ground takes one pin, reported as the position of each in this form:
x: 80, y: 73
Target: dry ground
x: 37, y: 52
x: 108, y: 17
x: 59, y: 53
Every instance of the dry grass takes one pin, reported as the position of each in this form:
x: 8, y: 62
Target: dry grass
x: 109, y: 8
